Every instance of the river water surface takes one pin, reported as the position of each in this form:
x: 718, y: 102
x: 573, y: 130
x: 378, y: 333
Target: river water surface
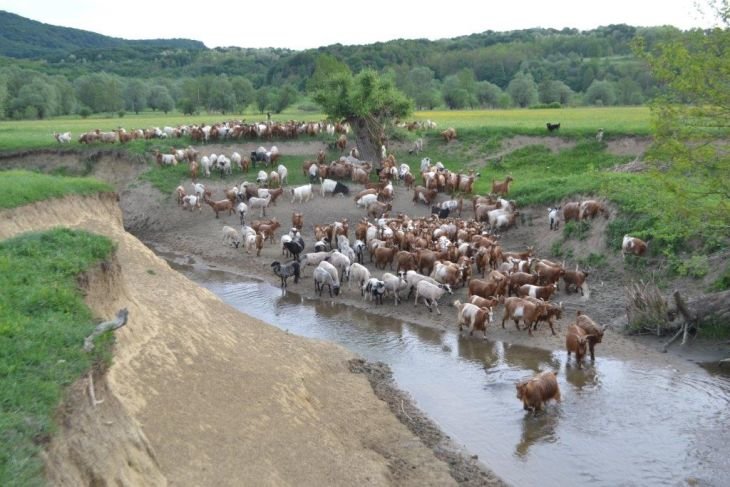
x: 620, y: 423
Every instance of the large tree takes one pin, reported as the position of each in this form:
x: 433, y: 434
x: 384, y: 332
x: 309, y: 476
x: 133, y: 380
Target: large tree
x: 101, y: 92
x: 523, y: 90
x: 691, y: 121
x: 368, y: 103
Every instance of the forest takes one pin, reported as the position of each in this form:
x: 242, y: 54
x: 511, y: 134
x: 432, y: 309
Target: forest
x: 48, y: 71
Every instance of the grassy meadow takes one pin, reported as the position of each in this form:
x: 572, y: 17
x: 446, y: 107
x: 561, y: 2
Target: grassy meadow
x: 43, y: 323
x: 632, y: 120
x: 19, y: 188
x: 32, y: 134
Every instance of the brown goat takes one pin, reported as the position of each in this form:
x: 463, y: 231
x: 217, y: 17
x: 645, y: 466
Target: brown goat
x: 518, y: 309
x: 384, y: 255
x: 449, y: 134
x: 591, y: 209
x: 571, y: 211
x: 424, y: 195
x: 594, y: 331
x: 297, y: 221
x: 406, y: 261
x: 575, y: 279
x: 538, y: 390
x: 501, y: 187
x: 576, y: 341
x: 342, y: 143
x: 221, y: 205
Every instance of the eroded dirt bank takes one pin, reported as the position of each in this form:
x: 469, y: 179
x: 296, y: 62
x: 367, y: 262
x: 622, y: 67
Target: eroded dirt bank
x: 221, y: 398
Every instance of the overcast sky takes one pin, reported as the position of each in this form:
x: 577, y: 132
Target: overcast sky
x: 301, y: 24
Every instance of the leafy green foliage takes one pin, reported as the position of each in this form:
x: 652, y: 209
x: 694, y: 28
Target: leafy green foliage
x: 692, y: 123
x: 18, y: 188
x: 43, y: 323
x: 723, y: 282
x: 578, y: 230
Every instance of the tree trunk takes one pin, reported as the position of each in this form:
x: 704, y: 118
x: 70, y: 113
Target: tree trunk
x: 367, y: 134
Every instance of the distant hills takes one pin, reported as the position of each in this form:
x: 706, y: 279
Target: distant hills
x: 21, y: 37
x: 525, y: 68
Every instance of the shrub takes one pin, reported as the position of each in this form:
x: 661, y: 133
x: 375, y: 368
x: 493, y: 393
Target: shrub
x: 556, y: 249
x: 696, y: 266
x: 577, y: 230
x: 723, y: 282
x: 593, y: 260
x: 84, y: 112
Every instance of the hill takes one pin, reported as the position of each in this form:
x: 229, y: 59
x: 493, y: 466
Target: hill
x: 21, y: 37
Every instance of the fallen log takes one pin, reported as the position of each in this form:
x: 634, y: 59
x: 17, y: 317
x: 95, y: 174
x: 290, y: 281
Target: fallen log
x: 706, y: 309
x: 118, y: 322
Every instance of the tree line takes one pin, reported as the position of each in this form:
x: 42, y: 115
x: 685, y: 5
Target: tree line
x: 528, y: 68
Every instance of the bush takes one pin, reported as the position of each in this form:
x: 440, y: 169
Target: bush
x: 84, y: 112
x: 696, y: 266
x: 556, y: 249
x: 594, y: 261
x: 723, y: 282
x: 579, y: 230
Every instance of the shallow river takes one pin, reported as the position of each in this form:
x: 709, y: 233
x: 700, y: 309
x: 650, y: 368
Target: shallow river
x: 620, y: 423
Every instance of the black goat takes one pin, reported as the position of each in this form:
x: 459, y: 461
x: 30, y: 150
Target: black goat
x: 286, y: 271
x: 553, y: 126
x: 441, y: 212
x: 295, y: 247
x: 258, y: 156
x: 341, y: 188
x: 323, y: 245
x: 376, y: 289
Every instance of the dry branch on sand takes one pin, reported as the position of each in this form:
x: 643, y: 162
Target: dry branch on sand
x: 118, y: 322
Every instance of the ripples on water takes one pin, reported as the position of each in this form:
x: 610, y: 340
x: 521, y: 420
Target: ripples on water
x: 620, y: 423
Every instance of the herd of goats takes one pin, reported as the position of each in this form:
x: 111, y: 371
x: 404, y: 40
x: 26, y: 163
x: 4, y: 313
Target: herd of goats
x: 430, y: 256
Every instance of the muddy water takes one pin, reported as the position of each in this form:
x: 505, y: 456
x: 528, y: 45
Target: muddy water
x: 620, y: 422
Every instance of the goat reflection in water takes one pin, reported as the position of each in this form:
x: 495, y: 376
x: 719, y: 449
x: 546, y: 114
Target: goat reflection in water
x: 540, y: 428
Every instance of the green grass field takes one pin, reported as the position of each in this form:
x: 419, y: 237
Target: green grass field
x: 573, y: 121
x: 43, y: 323
x: 19, y: 188
x: 30, y: 134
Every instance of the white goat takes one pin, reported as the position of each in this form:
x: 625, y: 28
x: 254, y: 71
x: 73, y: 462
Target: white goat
x: 283, y: 173
x: 326, y: 275
x: 191, y: 201
x: 341, y: 262
x: 394, y: 284
x: 366, y: 200
x: 302, y: 193
x: 63, y: 138
x: 553, y: 218
x: 242, y: 209
x: 236, y: 160
x: 413, y: 278
x: 206, y: 164
x: 327, y: 185
x: 262, y: 177
x: 256, y: 203
x: 359, y: 274
x: 431, y: 294
x: 230, y: 235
